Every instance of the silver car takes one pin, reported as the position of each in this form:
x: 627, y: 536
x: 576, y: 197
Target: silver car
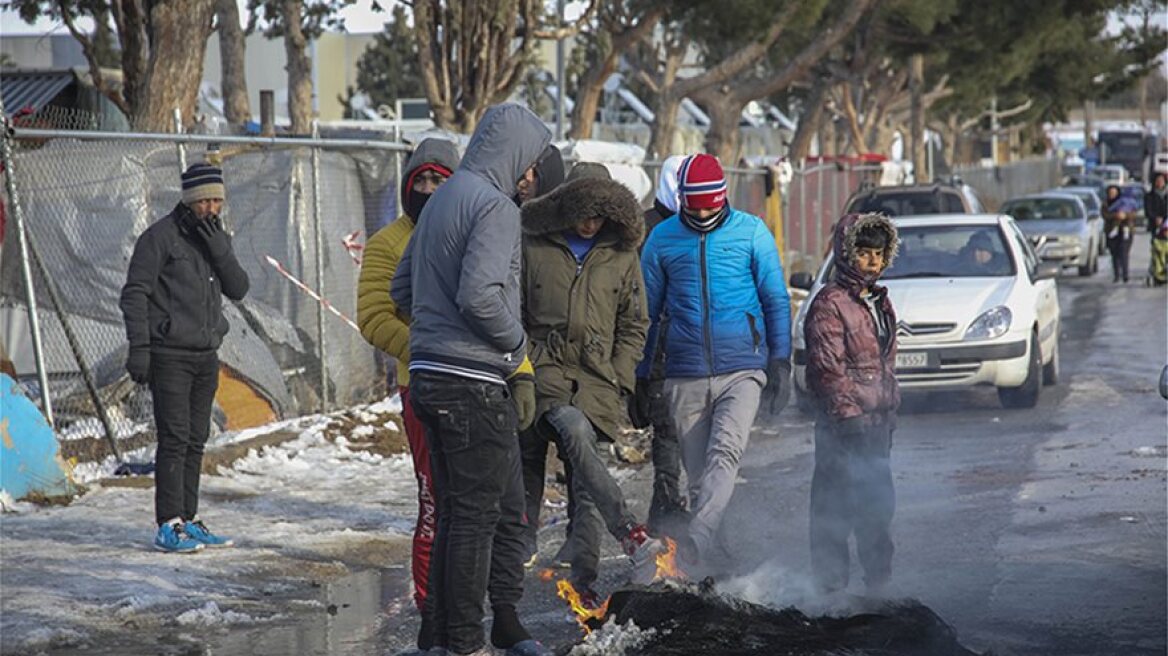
x: 1059, y: 227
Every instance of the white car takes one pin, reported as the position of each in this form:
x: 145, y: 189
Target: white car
x: 965, y: 317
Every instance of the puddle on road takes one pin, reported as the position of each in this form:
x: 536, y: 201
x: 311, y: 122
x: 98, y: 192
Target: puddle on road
x: 345, y: 618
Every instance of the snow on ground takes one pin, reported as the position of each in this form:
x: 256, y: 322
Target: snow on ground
x: 308, y: 509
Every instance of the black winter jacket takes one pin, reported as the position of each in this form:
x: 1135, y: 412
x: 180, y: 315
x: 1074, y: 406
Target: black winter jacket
x: 171, y: 300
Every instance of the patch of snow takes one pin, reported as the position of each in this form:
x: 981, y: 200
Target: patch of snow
x: 211, y: 615
x: 87, y: 472
x: 54, y: 637
x: 614, y: 639
x: 390, y: 405
x: 1158, y: 451
x: 10, y: 505
x: 364, y: 430
x: 92, y: 427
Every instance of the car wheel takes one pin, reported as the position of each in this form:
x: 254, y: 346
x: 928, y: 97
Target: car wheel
x: 1051, y: 370
x: 1026, y: 396
x: 1085, y: 270
x: 1095, y: 264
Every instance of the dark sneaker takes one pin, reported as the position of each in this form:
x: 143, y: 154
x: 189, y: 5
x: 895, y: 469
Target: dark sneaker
x: 589, y: 598
x: 171, y: 538
x: 198, y: 532
x: 563, y: 557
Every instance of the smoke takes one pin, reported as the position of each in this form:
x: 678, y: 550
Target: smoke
x: 778, y: 587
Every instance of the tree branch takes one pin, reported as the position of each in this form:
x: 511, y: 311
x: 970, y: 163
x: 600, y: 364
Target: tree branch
x: 566, y: 31
x: 91, y: 57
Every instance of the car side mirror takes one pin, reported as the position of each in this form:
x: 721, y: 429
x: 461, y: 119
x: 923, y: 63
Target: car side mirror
x: 802, y: 280
x: 1164, y: 382
x: 1047, y: 270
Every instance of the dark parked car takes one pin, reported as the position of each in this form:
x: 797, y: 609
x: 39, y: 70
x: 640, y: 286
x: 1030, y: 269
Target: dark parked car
x: 911, y: 200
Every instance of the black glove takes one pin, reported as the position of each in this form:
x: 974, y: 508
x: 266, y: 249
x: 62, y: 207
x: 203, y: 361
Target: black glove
x: 778, y: 388
x: 138, y: 364
x: 641, y: 402
x: 850, y: 428
x: 210, y: 230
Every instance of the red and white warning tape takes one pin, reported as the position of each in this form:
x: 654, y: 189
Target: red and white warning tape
x: 311, y: 292
x: 355, y: 248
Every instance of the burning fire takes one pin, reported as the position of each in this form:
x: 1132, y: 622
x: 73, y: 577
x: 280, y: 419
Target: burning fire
x: 568, y: 593
x: 667, y: 567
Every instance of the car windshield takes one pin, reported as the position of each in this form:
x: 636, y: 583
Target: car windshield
x: 1033, y: 209
x: 961, y: 251
x: 908, y: 203
x: 1089, y: 198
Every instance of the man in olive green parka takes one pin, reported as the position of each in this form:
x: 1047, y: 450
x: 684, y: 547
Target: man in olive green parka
x: 585, y: 315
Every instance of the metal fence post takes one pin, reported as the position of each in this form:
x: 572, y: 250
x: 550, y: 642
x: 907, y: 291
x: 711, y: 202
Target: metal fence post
x: 182, y: 149
x: 25, y: 270
x: 318, y: 239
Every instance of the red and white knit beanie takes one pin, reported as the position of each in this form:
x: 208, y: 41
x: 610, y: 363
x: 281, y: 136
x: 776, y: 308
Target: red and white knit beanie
x: 702, y: 184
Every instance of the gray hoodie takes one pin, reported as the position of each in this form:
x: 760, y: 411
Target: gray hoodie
x: 459, y: 276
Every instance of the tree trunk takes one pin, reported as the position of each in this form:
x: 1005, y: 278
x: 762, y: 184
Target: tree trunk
x: 584, y: 111
x: 723, y: 136
x: 664, y: 126
x: 916, y: 84
x: 808, y: 122
x: 231, y: 54
x: 180, y: 29
x: 299, y: 68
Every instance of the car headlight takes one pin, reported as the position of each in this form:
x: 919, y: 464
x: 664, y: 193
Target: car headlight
x: 992, y: 323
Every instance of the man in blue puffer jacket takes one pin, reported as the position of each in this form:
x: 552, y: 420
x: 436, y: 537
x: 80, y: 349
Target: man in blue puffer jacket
x: 715, y: 272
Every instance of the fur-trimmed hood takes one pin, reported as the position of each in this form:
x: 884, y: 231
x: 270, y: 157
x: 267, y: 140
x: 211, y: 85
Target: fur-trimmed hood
x: 844, y: 245
x: 585, y: 198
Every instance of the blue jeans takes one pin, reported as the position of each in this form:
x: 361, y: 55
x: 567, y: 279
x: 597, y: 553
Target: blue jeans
x: 471, y: 428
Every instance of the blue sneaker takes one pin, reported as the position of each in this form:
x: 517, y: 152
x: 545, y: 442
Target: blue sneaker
x: 198, y: 532
x: 173, y: 539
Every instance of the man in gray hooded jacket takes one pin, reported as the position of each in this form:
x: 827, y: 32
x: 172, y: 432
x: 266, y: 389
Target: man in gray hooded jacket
x: 471, y: 382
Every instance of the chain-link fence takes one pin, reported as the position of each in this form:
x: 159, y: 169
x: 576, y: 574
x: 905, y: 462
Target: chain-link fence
x: 300, y: 211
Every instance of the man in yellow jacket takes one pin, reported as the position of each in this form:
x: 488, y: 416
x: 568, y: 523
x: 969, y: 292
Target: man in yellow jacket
x: 431, y: 163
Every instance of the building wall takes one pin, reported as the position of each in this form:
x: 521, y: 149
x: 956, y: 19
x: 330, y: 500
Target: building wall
x: 43, y: 51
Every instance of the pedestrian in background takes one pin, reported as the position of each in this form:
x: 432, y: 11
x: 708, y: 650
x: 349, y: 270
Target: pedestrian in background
x: 1118, y: 219
x: 715, y: 272
x: 667, y: 508
x: 471, y: 382
x: 584, y: 310
x: 431, y: 163
x: 172, y: 305
x: 850, y: 334
x: 1156, y: 213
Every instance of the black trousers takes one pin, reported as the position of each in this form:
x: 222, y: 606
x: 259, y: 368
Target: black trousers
x: 851, y: 492
x: 667, y: 507
x: 1120, y: 250
x: 183, y: 387
x: 471, y: 428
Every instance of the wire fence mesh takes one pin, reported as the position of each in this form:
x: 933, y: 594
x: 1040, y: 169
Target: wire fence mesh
x: 300, y: 212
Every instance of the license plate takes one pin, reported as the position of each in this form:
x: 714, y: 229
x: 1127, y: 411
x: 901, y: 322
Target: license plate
x: 912, y: 360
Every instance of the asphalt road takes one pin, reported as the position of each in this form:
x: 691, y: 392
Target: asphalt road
x: 1031, y: 532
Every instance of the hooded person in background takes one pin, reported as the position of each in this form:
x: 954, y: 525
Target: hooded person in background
x: 172, y: 304
x: 584, y: 309
x: 431, y: 163
x: 850, y: 334
x: 667, y: 509
x: 724, y: 357
x: 471, y: 382
x: 548, y: 174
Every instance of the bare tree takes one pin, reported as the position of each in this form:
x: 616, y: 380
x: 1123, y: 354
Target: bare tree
x: 725, y: 98
x: 161, y: 43
x: 474, y: 54
x: 618, y: 30
x: 232, y: 56
x: 299, y: 68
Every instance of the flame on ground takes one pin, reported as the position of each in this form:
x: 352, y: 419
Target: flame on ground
x: 667, y: 567
x: 568, y: 593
